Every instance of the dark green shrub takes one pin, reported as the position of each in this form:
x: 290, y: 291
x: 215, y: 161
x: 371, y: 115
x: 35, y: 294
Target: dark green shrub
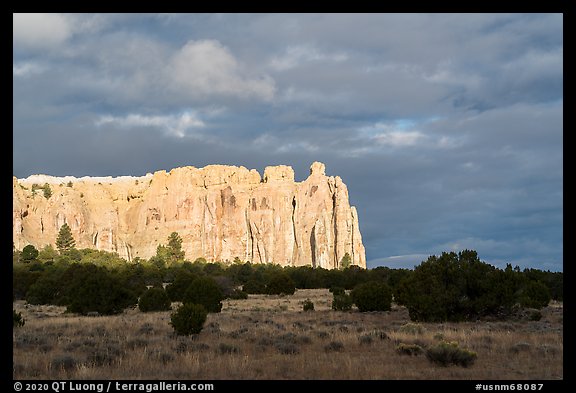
x: 372, y: 296
x: 447, y: 353
x: 44, y: 291
x: 47, y: 191
x: 460, y: 287
x: 308, y: 305
x: 182, y: 281
x: 17, y: 318
x: 337, y: 290
x: 99, y: 292
x: 534, y: 315
x: 280, y: 284
x: 206, y: 292
x: 254, y: 286
x: 535, y: 295
x: 29, y: 253
x: 342, y: 302
x: 22, y: 280
x: 154, y: 299
x: 188, y: 319
x: 238, y: 295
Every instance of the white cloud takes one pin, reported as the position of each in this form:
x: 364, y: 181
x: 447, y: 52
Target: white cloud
x: 396, y: 134
x: 40, y: 30
x: 25, y: 69
x: 295, y: 56
x: 176, y: 125
x: 399, y: 138
x: 206, y: 67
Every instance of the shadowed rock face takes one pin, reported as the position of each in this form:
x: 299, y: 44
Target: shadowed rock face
x: 221, y: 212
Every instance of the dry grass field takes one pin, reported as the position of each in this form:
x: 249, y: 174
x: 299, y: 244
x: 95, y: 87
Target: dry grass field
x: 270, y: 337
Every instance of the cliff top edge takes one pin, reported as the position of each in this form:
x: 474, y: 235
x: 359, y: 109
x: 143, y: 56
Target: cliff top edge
x: 271, y: 173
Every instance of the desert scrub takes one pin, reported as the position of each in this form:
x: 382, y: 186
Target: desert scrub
x: 64, y: 362
x: 372, y: 296
x: 534, y: 315
x: 365, y: 339
x: 409, y: 349
x: 412, y: 328
x: 154, y: 299
x: 520, y: 347
x: 334, y: 346
x: 308, y: 305
x: 17, y: 318
x: 447, y: 353
x: 286, y: 348
x: 337, y: 290
x: 342, y: 302
x: 224, y: 348
x: 188, y: 319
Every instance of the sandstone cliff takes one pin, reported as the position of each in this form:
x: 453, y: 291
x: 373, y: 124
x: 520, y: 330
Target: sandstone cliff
x: 221, y: 212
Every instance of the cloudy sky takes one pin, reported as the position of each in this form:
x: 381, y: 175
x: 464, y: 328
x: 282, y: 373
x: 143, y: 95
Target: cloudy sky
x: 447, y: 129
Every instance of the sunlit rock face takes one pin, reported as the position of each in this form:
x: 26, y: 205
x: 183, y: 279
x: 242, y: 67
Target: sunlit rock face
x: 221, y: 212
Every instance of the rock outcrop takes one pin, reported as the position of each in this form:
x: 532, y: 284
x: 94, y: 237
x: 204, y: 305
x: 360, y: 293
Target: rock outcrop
x: 220, y: 212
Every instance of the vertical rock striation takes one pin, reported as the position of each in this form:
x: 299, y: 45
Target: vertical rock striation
x: 221, y: 212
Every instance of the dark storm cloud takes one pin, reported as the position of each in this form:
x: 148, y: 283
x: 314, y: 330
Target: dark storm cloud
x: 447, y: 129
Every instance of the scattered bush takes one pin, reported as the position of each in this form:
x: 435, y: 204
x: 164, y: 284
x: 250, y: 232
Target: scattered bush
x: 22, y: 280
x: 342, y: 302
x: 287, y: 348
x: 206, y: 292
x: 64, y: 362
x: 280, y: 284
x: 188, y: 319
x: 535, y: 295
x: 337, y: 290
x: 460, y: 287
x: 520, y: 347
x: 47, y: 191
x: 365, y: 339
x: 103, y: 356
x: 237, y: 294
x: 154, y: 299
x: 409, y: 349
x: 182, y: 281
x: 97, y: 290
x: 534, y: 315
x: 29, y: 253
x: 346, y: 261
x: 447, y: 353
x: 43, y: 291
x: 379, y: 334
x: 334, y: 346
x: 308, y: 305
x: 412, y: 328
x: 17, y: 318
x: 224, y: 348
x: 440, y: 337
x: 254, y: 286
x: 372, y: 296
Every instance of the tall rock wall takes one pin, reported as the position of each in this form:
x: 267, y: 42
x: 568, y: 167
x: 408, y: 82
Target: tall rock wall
x: 220, y: 212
